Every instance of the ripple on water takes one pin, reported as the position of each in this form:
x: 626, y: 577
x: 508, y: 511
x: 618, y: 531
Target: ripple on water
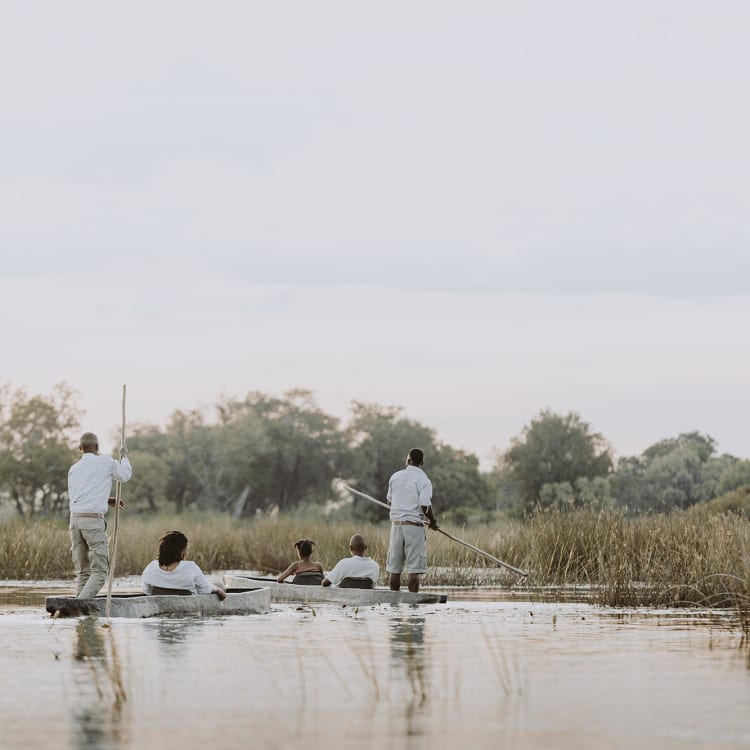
x: 519, y: 673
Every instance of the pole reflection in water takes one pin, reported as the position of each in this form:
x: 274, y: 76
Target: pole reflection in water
x: 409, y: 660
x: 99, y: 719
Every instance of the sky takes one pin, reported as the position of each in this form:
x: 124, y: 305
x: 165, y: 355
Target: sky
x: 474, y: 210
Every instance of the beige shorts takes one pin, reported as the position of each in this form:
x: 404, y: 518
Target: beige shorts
x: 407, y: 547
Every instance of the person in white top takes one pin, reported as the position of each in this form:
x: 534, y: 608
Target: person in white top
x: 410, y: 498
x: 89, y: 488
x: 172, y: 572
x: 356, y: 566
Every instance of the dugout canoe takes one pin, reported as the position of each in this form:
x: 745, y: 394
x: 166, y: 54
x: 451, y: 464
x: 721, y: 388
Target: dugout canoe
x: 251, y: 601
x: 290, y: 592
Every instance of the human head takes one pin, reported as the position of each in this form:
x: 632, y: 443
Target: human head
x: 89, y: 443
x: 172, y: 547
x: 304, y: 547
x: 358, y: 544
x: 415, y: 457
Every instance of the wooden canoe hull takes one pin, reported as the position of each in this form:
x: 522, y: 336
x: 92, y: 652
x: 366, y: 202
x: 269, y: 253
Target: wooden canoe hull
x: 289, y: 592
x: 255, y: 601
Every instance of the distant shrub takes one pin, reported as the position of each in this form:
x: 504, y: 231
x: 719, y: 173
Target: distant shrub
x: 736, y: 501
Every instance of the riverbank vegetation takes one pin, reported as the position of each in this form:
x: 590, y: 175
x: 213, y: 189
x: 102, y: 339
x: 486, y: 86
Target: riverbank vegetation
x: 694, y: 557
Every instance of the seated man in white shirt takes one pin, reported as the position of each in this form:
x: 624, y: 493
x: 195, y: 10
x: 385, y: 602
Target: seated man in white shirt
x: 172, y: 573
x: 355, y: 567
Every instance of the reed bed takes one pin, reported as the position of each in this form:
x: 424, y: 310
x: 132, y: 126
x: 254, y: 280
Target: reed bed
x: 693, y: 557
x: 682, y: 558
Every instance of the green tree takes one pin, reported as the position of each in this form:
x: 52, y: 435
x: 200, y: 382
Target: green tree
x: 552, y: 449
x: 674, y: 473
x: 187, y: 446
x: 584, y: 492
x: 381, y: 437
x: 281, y: 452
x: 147, y: 489
x: 244, y: 444
x: 263, y: 452
x: 504, y: 489
x: 36, y: 449
x: 735, y: 475
x: 456, y: 479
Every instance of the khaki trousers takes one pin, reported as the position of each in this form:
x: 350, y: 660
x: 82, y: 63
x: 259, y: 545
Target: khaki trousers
x: 89, y: 547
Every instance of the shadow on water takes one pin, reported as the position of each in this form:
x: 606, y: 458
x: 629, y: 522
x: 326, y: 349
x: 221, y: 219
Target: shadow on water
x: 409, y: 660
x: 99, y: 716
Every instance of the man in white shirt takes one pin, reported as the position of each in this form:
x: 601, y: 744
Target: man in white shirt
x: 356, y: 566
x: 89, y: 488
x: 410, y: 498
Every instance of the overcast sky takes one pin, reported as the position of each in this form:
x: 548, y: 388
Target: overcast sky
x: 471, y: 210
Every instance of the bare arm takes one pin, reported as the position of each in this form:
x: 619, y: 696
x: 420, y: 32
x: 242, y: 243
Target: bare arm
x: 427, y: 510
x: 289, y: 571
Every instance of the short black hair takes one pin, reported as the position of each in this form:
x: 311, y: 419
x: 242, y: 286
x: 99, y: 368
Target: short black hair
x: 89, y: 442
x: 171, y: 546
x: 416, y: 457
x: 305, y: 546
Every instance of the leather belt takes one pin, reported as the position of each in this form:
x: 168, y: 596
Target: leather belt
x: 406, y: 523
x: 88, y: 515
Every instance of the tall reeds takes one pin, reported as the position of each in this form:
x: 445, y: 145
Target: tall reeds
x: 686, y: 557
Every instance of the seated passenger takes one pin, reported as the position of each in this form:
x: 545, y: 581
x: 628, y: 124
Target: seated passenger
x: 304, y: 570
x: 355, y: 567
x: 172, y: 571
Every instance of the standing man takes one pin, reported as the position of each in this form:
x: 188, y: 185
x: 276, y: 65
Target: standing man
x: 410, y: 498
x: 89, y: 487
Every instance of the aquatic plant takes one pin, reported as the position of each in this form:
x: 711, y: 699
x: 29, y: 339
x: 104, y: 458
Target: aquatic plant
x: 684, y: 558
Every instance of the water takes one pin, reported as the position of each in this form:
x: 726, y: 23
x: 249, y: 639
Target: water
x: 469, y: 674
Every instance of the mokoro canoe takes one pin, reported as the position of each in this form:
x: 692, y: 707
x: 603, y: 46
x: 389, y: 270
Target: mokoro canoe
x: 251, y: 601
x: 290, y: 592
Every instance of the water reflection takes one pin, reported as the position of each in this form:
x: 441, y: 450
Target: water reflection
x: 473, y: 674
x: 409, y: 660
x: 28, y: 596
x: 99, y: 719
x: 89, y: 641
x: 172, y: 635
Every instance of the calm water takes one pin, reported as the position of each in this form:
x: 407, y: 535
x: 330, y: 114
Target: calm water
x: 469, y: 674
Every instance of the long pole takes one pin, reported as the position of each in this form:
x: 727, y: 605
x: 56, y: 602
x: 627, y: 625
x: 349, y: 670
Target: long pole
x: 118, y: 495
x: 494, y: 559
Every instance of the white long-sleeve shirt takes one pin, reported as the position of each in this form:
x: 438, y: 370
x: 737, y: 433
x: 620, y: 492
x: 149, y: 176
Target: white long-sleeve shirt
x: 90, y: 482
x: 187, y: 575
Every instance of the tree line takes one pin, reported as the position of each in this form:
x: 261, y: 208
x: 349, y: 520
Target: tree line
x: 267, y: 453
